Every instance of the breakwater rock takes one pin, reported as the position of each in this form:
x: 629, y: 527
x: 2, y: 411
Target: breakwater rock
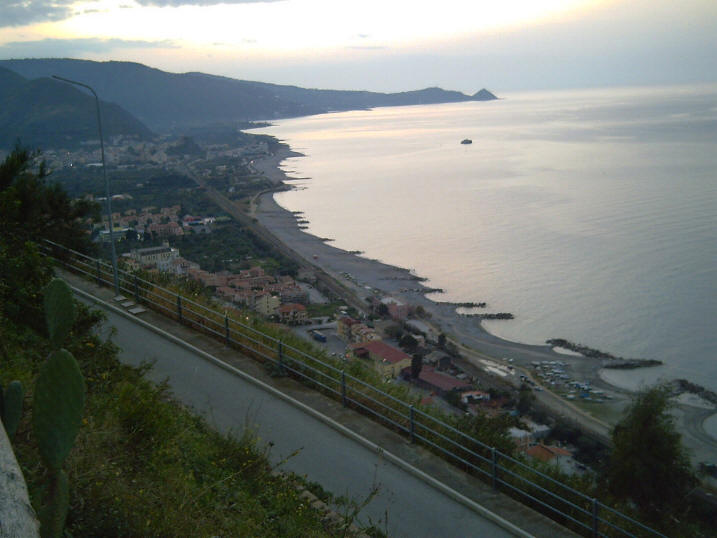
x: 680, y: 386
x: 629, y: 364
x: 499, y: 315
x: 611, y: 361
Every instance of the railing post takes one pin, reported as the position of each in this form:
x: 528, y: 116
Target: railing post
x: 226, y: 327
x: 596, y: 532
x: 136, y: 289
x: 412, y: 424
x: 179, y: 306
x: 494, y: 466
x: 343, y: 387
x: 280, y: 356
x: 99, y: 278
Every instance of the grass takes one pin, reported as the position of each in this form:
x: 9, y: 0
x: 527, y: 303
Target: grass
x: 143, y: 465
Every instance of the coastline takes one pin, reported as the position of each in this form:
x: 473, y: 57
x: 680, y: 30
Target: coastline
x: 365, y: 277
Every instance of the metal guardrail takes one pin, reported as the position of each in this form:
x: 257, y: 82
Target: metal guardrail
x: 559, y: 501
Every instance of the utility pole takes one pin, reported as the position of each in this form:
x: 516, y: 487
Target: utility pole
x: 104, y: 174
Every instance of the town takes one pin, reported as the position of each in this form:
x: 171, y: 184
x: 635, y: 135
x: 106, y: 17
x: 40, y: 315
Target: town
x: 392, y: 339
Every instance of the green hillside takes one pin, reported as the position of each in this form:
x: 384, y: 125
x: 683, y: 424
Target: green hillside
x: 48, y: 113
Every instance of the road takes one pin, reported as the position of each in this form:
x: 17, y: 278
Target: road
x: 404, y: 505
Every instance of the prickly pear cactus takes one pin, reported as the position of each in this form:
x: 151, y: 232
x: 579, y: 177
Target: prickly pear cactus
x: 53, y: 514
x: 12, y: 407
x: 57, y: 407
x: 60, y: 311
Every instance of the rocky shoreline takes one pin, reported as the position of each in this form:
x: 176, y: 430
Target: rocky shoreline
x: 365, y: 277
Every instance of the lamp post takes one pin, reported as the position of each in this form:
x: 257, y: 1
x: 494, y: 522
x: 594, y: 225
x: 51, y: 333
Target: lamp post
x: 104, y: 174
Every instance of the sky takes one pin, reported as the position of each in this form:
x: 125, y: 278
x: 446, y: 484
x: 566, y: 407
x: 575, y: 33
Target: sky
x: 383, y: 45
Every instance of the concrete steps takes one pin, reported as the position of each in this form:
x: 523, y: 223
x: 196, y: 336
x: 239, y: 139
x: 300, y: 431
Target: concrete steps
x: 130, y: 305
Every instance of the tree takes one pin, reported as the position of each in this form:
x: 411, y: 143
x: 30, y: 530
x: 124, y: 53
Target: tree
x: 408, y: 342
x: 32, y: 210
x: 416, y: 365
x: 393, y: 331
x: 648, y: 464
x: 525, y: 399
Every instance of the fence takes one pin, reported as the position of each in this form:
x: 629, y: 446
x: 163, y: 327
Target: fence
x: 534, y: 488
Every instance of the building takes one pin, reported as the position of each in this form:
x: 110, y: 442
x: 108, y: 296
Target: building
x: 154, y: 256
x: 522, y: 438
x: 118, y: 234
x: 439, y: 359
x: 438, y: 382
x: 169, y: 229
x: 293, y: 313
x: 267, y: 304
x: 291, y: 293
x: 388, y: 360
x: 181, y: 266
x: 398, y: 310
x: 343, y: 327
x: 555, y: 455
x: 472, y: 396
x: 361, y: 333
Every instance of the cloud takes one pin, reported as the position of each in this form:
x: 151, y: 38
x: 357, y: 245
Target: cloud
x: 22, y: 12
x: 175, y: 3
x: 366, y: 47
x: 56, y: 48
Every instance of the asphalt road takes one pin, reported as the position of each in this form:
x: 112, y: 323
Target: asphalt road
x: 404, y: 504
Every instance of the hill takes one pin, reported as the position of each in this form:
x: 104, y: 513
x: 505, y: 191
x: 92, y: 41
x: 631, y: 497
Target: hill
x: 168, y: 100
x: 48, y: 113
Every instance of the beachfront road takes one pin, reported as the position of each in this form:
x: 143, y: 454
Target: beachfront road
x: 404, y: 505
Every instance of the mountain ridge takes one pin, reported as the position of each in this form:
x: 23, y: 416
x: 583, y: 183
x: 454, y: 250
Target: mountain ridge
x: 166, y: 101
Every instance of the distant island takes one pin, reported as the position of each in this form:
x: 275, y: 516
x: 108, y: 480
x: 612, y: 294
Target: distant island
x: 169, y: 102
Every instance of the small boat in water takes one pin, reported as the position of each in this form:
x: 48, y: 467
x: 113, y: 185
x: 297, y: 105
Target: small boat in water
x: 466, y: 141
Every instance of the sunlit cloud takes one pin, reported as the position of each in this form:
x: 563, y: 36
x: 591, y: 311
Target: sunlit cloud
x: 175, y: 3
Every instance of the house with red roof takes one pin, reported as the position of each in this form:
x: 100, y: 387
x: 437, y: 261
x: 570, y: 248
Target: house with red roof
x: 293, y: 313
x: 429, y: 378
x: 547, y: 453
x: 388, y: 360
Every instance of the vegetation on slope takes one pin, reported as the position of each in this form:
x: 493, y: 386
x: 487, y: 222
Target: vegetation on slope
x: 142, y: 465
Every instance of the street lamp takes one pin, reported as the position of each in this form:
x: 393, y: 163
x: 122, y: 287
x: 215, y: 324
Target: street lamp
x: 104, y: 174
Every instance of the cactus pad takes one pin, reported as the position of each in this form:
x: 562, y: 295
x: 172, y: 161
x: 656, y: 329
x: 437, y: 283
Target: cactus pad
x: 54, y: 513
x: 60, y: 311
x: 12, y: 407
x: 57, y: 407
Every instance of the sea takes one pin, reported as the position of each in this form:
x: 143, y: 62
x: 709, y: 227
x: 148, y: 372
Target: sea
x: 591, y: 215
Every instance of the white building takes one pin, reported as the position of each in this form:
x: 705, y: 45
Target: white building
x: 159, y: 257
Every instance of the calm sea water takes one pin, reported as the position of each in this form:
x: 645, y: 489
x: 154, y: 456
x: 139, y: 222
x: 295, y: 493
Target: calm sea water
x: 590, y: 215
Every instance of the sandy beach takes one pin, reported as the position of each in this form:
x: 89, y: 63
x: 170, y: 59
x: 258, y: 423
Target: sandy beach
x: 366, y: 277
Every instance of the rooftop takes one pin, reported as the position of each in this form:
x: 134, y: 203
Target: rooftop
x: 383, y: 350
x: 546, y: 453
x: 441, y: 381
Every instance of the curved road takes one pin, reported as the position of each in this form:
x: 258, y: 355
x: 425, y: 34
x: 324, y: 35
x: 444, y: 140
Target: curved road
x: 404, y: 505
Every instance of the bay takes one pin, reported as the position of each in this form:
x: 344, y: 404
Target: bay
x: 590, y: 215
